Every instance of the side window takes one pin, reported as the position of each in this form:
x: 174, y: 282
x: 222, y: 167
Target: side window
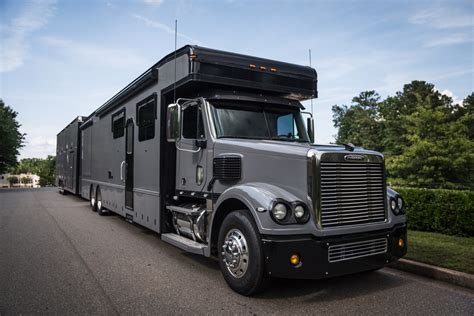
x: 193, y: 125
x: 286, y: 126
x: 146, y: 115
x: 118, y: 124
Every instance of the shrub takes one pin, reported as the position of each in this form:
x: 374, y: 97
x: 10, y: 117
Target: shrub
x: 438, y: 210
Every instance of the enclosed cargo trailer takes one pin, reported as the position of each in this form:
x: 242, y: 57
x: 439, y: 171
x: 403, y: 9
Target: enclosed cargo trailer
x: 210, y: 149
x: 68, y: 157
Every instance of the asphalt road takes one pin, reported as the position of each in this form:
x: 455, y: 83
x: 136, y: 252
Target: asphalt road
x: 57, y: 256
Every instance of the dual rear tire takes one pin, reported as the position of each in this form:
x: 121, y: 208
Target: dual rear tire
x: 96, y: 201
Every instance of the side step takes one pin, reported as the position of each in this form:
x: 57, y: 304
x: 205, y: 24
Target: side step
x: 184, y: 243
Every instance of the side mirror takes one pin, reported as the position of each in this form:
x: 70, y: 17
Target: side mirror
x: 310, y: 127
x: 173, y: 123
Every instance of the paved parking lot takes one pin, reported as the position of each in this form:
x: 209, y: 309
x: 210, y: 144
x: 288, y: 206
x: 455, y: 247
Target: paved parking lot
x: 57, y: 256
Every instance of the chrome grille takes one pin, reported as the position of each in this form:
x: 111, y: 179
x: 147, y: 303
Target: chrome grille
x: 357, y: 249
x: 352, y: 193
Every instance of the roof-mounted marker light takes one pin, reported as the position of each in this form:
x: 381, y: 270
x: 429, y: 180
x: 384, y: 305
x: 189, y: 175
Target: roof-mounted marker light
x: 193, y: 56
x: 273, y: 69
x: 263, y: 68
x: 253, y: 66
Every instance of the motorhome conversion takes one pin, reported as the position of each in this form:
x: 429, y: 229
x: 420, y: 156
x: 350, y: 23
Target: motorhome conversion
x: 210, y: 149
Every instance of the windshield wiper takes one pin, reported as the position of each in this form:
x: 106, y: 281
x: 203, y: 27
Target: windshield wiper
x: 286, y: 139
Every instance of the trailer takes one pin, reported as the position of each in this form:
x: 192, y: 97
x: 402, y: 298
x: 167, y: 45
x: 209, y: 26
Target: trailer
x: 68, y: 157
x: 213, y: 151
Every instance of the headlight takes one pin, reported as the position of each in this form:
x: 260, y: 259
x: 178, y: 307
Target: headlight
x: 279, y: 211
x: 400, y: 202
x: 393, y: 206
x: 299, y: 212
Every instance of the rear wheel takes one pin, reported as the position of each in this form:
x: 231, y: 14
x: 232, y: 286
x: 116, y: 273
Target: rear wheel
x: 92, y: 198
x: 241, y: 255
x: 98, y: 203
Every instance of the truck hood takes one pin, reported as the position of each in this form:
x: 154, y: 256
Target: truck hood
x: 282, y: 148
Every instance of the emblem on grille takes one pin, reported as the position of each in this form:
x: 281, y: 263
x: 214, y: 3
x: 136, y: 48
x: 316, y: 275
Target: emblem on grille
x: 355, y: 157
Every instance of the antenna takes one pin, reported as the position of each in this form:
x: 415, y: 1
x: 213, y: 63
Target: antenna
x: 310, y: 66
x: 175, y: 48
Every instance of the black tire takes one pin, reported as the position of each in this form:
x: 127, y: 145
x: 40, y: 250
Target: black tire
x: 99, y: 206
x: 92, y: 199
x: 254, y: 279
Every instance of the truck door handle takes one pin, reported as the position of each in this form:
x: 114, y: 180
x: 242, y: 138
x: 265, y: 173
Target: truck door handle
x: 121, y: 171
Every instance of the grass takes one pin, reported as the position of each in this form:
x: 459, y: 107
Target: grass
x: 456, y: 253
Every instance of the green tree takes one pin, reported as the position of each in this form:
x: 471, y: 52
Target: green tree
x: 12, y: 180
x: 427, y: 140
x: 47, y: 171
x: 11, y: 140
x: 359, y: 123
x: 44, y: 168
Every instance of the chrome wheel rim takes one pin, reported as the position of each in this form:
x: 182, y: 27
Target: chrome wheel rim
x: 235, y: 253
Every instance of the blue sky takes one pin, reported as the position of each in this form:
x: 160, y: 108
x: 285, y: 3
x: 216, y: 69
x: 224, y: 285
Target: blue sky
x: 60, y: 59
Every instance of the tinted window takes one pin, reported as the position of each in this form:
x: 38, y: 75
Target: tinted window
x: 256, y: 121
x: 118, y: 124
x: 146, y: 115
x: 193, y: 126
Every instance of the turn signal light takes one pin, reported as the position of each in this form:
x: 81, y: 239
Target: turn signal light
x: 295, y: 259
x: 401, y: 243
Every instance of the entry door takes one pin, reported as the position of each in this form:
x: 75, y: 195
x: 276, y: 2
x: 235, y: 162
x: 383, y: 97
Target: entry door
x: 129, y: 137
x: 191, y: 166
x: 72, y: 167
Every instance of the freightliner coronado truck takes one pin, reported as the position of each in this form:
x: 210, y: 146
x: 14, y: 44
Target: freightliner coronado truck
x: 210, y: 150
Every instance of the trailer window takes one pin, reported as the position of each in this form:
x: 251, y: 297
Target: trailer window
x: 146, y: 115
x: 118, y: 124
x: 193, y: 125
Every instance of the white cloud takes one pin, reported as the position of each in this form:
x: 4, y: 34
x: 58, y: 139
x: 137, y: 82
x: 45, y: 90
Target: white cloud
x: 443, y: 18
x: 450, y: 94
x: 94, y: 54
x: 163, y: 27
x: 39, y: 146
x: 449, y: 40
x: 153, y: 2
x: 16, y: 33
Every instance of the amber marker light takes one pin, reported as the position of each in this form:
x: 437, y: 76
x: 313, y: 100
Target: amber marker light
x: 273, y: 69
x: 252, y: 66
x: 401, y: 243
x: 193, y: 56
x: 295, y: 259
x: 263, y: 68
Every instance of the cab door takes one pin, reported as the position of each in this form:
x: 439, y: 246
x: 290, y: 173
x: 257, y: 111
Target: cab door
x: 191, y: 167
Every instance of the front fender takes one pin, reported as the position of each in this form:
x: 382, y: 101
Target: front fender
x: 257, y: 195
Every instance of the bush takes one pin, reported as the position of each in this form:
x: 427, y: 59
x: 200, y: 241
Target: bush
x: 438, y: 210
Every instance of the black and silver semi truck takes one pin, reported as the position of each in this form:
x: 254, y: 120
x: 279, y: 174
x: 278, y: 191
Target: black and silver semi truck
x: 210, y: 150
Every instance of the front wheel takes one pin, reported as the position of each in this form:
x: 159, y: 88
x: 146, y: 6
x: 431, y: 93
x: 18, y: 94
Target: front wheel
x: 241, y: 256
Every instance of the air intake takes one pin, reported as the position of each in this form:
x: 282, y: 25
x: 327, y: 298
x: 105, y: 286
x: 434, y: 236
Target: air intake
x: 227, y: 168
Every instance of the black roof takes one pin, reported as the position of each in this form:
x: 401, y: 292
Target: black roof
x: 226, y: 68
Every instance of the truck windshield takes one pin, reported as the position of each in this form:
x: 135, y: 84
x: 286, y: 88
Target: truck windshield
x: 258, y: 121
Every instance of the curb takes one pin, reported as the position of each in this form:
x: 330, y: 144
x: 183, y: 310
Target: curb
x: 441, y: 274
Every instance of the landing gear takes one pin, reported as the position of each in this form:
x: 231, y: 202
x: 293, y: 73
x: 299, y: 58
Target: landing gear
x: 241, y: 255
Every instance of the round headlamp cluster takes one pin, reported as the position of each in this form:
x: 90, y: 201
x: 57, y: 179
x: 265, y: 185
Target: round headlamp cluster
x: 281, y: 213
x: 397, y: 205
